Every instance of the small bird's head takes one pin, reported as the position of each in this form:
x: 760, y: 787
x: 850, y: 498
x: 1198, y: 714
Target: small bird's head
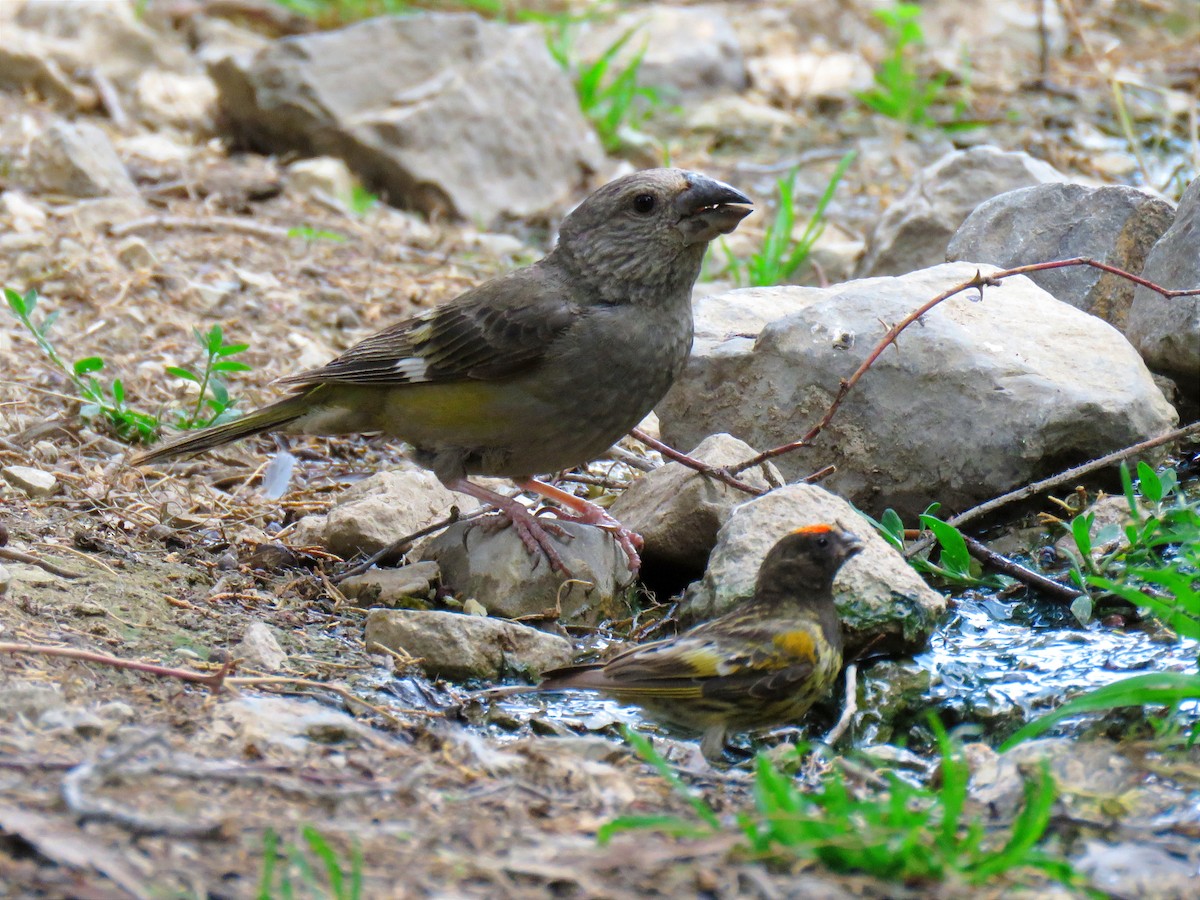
x: 803, y: 563
x: 648, y: 231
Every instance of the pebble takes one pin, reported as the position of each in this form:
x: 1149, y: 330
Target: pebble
x: 32, y: 482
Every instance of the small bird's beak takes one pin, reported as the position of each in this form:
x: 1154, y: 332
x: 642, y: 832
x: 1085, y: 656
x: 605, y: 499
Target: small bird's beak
x: 705, y: 211
x: 853, y: 544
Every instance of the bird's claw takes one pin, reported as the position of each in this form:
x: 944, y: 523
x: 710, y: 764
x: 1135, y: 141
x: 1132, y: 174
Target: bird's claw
x: 535, y: 533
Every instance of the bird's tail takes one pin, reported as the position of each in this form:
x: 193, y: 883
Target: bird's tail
x: 268, y: 418
x: 562, y: 679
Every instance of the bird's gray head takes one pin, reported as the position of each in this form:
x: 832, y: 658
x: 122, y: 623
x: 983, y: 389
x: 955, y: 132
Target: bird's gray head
x: 645, y: 234
x: 801, y: 566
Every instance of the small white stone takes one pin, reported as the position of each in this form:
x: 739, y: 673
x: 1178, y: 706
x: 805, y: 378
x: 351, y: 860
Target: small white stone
x: 134, y: 253
x: 260, y: 649
x: 33, y: 482
x: 46, y: 451
x: 323, y: 176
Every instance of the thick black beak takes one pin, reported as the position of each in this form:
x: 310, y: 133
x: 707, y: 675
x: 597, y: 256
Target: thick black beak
x: 706, y: 209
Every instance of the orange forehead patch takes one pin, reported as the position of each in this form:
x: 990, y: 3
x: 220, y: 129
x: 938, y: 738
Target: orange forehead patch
x: 814, y: 529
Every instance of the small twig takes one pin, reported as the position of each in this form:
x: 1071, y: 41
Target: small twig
x: 591, y: 480
x: 399, y: 547
x: 213, y: 223
x: 631, y: 459
x: 90, y: 558
x: 1058, y: 591
x: 849, y: 708
x: 861, y: 772
x: 213, y: 680
x: 109, y: 99
x: 819, y: 475
x: 1038, y: 487
x: 721, y: 474
x: 979, y: 282
x: 17, y: 556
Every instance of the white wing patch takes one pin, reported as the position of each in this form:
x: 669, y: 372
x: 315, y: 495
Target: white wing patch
x: 412, y: 368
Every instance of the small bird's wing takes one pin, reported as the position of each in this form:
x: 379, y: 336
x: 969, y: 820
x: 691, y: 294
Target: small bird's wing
x: 494, y: 330
x: 748, y: 661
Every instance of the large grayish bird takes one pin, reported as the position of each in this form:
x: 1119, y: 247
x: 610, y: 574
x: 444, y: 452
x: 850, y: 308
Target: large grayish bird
x: 538, y: 370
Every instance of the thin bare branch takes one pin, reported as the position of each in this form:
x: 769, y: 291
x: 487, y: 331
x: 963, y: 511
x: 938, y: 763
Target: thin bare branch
x: 721, y: 474
x: 1070, y: 475
x: 213, y: 680
x: 1063, y: 593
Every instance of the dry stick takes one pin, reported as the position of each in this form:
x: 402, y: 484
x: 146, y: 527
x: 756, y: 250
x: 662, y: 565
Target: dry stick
x: 1038, y: 487
x: 401, y: 545
x: 721, y: 474
x: 213, y: 680
x: 1062, y: 592
x: 848, y: 709
x: 979, y: 282
x: 213, y: 223
x: 18, y: 556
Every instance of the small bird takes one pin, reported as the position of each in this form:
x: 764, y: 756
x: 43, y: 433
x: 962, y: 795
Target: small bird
x: 538, y: 370
x: 764, y: 663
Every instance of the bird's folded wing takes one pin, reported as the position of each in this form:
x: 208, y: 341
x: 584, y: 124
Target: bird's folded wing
x: 495, y: 330
x: 709, y: 665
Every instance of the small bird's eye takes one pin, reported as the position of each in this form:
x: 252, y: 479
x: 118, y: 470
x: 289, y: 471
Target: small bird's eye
x: 643, y: 204
x: 823, y: 542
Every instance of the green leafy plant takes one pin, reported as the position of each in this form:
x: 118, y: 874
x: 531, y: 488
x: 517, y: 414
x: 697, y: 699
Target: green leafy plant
x: 213, y: 392
x: 311, y: 235
x: 610, y: 94
x: 1155, y: 565
x: 955, y: 565
x: 1152, y: 689
x: 99, y: 401
x: 340, y: 12
x: 361, y: 201
x: 781, y: 255
x: 903, y: 833
x: 901, y: 91
x: 282, y: 881
x: 1154, y: 562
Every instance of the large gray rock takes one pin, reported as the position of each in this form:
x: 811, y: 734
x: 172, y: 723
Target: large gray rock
x: 690, y: 51
x: 108, y: 37
x: 460, y: 648
x: 1114, y: 224
x: 1166, y: 330
x: 379, y: 511
x: 77, y: 159
x: 913, y: 232
x: 678, y: 511
x: 25, y: 65
x: 882, y: 602
x: 487, y: 125
x: 481, y: 561
x: 981, y: 398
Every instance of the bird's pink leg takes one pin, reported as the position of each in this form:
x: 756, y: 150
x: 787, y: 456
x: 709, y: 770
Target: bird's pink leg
x: 535, y: 533
x: 590, y: 514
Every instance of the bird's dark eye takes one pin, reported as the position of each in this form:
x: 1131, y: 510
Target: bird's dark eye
x: 822, y: 542
x: 643, y: 204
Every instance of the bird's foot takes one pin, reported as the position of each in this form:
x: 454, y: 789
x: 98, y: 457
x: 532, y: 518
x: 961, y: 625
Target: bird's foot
x: 535, y: 532
x: 588, y: 513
